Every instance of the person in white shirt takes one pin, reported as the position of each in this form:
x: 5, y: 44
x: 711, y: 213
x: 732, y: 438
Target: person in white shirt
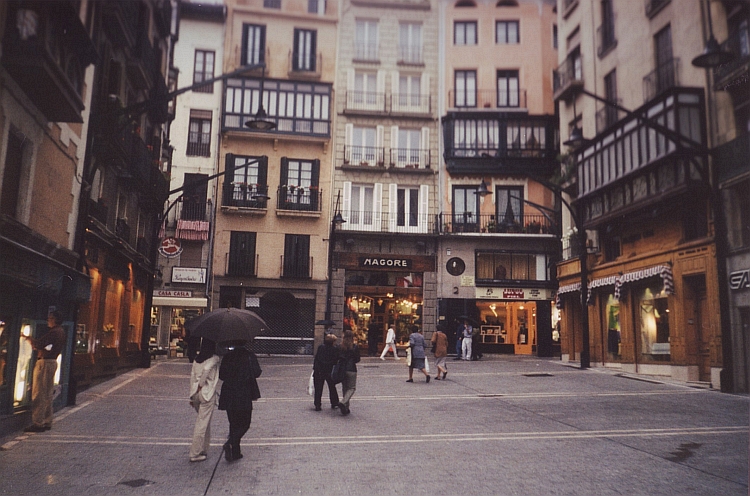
x: 390, y: 344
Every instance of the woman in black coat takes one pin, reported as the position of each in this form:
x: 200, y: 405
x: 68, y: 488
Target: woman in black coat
x: 239, y: 369
x: 349, y: 355
x: 325, y: 358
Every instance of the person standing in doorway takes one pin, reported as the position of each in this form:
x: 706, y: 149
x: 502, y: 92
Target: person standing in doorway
x: 416, y: 343
x: 239, y: 371
x: 459, y: 339
x: 390, y: 344
x: 204, y: 377
x: 466, y: 342
x: 325, y: 358
x: 48, y: 348
x: 350, y: 355
x: 440, y: 346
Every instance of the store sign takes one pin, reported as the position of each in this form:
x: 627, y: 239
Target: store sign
x: 739, y: 279
x: 380, y: 262
x: 189, y: 274
x: 172, y: 293
x: 513, y: 294
x: 170, y: 247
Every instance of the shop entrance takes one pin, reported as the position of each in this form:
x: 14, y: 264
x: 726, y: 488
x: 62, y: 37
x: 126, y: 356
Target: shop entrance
x: 508, y: 326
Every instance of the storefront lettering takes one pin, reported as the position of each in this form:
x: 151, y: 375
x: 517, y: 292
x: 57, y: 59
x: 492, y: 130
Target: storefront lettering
x: 172, y: 293
x: 513, y: 294
x: 402, y: 263
x: 739, y: 279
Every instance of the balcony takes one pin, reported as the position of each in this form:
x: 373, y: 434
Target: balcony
x: 385, y: 222
x: 244, y: 195
x: 661, y: 79
x: 366, y: 52
x: 187, y: 209
x: 364, y: 156
x: 484, y: 143
x: 299, y: 199
x: 488, y: 99
x: 607, y: 117
x: 410, y: 158
x: 735, y: 71
x: 467, y: 222
x: 568, y: 7
x: 408, y: 104
x: 365, y: 101
x: 567, y: 79
x: 46, y: 50
x: 733, y: 158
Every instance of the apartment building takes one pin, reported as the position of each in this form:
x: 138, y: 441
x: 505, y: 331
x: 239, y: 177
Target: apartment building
x: 642, y: 188
x: 386, y: 160
x: 181, y: 289
x: 499, y: 219
x: 272, y: 227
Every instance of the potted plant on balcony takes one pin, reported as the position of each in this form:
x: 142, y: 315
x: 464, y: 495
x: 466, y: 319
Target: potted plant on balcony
x: 534, y: 227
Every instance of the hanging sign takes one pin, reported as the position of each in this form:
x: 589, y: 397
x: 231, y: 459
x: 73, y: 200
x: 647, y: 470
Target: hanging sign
x: 170, y: 247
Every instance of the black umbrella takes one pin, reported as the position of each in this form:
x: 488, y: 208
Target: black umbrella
x: 471, y: 320
x: 227, y: 324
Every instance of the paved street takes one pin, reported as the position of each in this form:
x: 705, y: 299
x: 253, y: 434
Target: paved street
x: 504, y: 425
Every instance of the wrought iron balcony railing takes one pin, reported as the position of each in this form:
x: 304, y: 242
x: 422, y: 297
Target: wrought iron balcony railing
x: 410, y: 158
x: 365, y: 100
x: 738, y: 44
x: 300, y: 199
x: 488, y: 99
x: 410, y: 54
x: 662, y: 78
x: 568, y: 76
x: 365, y: 156
x: 386, y: 222
x: 467, y: 222
x: 239, y: 194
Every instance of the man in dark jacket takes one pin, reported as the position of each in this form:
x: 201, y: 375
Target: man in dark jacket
x: 239, y: 370
x: 325, y: 358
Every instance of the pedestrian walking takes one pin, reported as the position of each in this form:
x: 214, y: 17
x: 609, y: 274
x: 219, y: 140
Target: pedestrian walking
x: 239, y: 370
x: 48, y: 348
x: 440, y: 346
x: 390, y: 344
x: 349, y: 354
x: 416, y: 343
x: 466, y: 342
x: 476, y: 338
x: 459, y: 339
x: 325, y: 358
x: 204, y: 377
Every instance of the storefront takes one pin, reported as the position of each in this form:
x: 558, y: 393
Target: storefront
x: 170, y: 310
x: 383, y: 291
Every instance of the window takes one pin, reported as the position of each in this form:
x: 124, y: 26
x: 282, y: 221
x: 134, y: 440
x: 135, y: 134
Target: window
x: 364, y: 146
x: 272, y: 4
x: 194, y: 197
x: 316, y: 7
x: 12, y: 174
x: 299, y: 184
x: 554, y: 36
x: 610, y: 245
x: 408, y: 148
x: 465, y: 209
x: 473, y: 138
x: 365, y: 92
x: 303, y: 58
x: 199, y: 134
x: 297, y: 256
x: 610, y: 94
x: 408, y: 207
x: 241, y: 254
x: 409, y: 90
x: 466, y: 89
x: 362, y: 203
x: 654, y: 323
x: 465, y: 33
x: 245, y: 182
x: 508, y: 93
x: 738, y: 219
x: 253, y: 44
x: 665, y: 73
x: 606, y: 32
x: 410, y: 43
x: 509, y: 208
x: 366, y: 40
x: 506, y: 33
x: 203, y: 70
x: 503, y: 266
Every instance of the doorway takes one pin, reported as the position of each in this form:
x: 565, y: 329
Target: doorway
x: 699, y: 316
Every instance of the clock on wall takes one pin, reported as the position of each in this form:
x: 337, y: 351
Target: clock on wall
x: 455, y: 266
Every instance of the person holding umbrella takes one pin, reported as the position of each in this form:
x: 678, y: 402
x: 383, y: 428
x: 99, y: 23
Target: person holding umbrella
x: 239, y: 371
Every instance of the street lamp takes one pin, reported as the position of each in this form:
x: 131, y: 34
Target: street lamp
x: 336, y: 223
x: 713, y: 55
x: 261, y: 122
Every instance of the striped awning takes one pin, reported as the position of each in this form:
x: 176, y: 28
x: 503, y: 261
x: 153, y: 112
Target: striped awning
x: 663, y: 271
x: 568, y: 288
x: 598, y: 283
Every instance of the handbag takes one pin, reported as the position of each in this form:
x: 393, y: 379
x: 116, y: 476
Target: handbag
x: 339, y: 371
x: 426, y: 365
x: 311, y: 385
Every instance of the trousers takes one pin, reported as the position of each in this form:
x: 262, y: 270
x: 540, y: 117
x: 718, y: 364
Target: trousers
x: 466, y: 348
x: 239, y: 423
x: 392, y: 347
x: 202, y: 430
x: 41, y: 391
x: 319, y: 380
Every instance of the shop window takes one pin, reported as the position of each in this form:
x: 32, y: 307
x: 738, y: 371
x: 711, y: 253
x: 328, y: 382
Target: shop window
x: 492, y: 267
x: 241, y: 254
x: 113, y: 306
x: 654, y: 324
x: 297, y: 256
x: 611, y: 319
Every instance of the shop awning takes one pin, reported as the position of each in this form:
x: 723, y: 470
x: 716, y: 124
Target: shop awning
x: 568, y: 288
x: 166, y: 301
x: 663, y: 271
x: 598, y: 283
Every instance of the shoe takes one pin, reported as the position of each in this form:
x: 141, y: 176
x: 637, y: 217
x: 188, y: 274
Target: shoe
x: 198, y: 458
x: 410, y: 380
x: 228, y: 452
x: 437, y: 377
x: 444, y: 374
x: 35, y: 428
x: 428, y: 379
x: 333, y: 407
x: 382, y: 359
x: 344, y: 409
x: 237, y: 456
x: 317, y: 408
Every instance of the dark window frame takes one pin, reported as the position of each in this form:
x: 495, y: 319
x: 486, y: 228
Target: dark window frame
x: 463, y: 74
x: 507, y: 40
x: 199, y: 140
x: 301, y: 61
x: 204, y: 75
x: 242, y: 251
x: 247, y: 50
x: 296, y: 256
x: 464, y: 25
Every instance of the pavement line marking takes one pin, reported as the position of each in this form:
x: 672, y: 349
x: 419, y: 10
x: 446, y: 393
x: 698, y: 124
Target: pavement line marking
x: 424, y: 438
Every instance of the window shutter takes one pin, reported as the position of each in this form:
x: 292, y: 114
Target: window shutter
x: 284, y: 177
x: 424, y: 207
x: 296, y: 51
x: 263, y: 170
x: 424, y: 93
x: 394, y: 145
x: 228, y: 167
x: 315, y: 173
x: 377, y: 206
x: 392, y: 206
x: 348, y: 139
x: 244, y: 60
x: 262, y: 50
x: 346, y: 205
x: 379, y: 131
x: 313, y: 48
x: 380, y: 90
x: 424, y: 153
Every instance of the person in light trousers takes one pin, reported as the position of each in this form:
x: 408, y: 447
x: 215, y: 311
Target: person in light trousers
x: 466, y: 343
x: 204, y: 377
x: 390, y: 344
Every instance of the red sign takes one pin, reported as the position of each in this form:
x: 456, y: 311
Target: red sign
x: 170, y: 247
x: 515, y: 294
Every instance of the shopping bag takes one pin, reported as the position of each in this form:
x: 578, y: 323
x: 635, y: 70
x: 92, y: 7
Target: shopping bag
x: 311, y: 385
x: 426, y: 365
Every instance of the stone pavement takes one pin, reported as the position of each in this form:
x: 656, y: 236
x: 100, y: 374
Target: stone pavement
x: 505, y: 425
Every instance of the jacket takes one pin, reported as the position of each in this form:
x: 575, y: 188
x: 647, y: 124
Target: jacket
x: 440, y: 340
x: 352, y: 358
x: 325, y: 358
x: 239, y: 370
x: 416, y: 342
x: 206, y: 375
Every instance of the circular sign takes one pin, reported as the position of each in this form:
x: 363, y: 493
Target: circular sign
x: 170, y: 247
x: 455, y: 266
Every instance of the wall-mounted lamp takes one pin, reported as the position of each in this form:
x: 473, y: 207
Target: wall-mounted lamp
x: 713, y: 55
